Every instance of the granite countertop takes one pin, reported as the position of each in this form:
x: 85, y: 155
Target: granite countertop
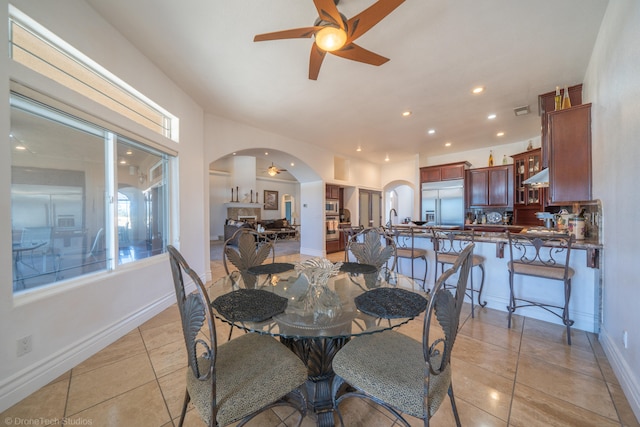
x: 493, y: 237
x: 498, y: 236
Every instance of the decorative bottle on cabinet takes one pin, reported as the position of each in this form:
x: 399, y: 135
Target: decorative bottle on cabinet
x: 558, y: 99
x: 491, y: 158
x: 566, y: 101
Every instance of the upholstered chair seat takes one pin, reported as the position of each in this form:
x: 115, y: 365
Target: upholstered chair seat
x: 246, y: 380
x: 399, y: 367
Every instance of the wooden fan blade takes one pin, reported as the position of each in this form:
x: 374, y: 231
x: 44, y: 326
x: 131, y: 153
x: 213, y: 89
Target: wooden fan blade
x: 315, y: 61
x: 327, y: 11
x: 356, y: 53
x: 296, y: 33
x: 362, y: 22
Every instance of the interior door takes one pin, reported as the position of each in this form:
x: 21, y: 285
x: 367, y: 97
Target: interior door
x: 376, y: 209
x: 370, y: 208
x: 365, y: 215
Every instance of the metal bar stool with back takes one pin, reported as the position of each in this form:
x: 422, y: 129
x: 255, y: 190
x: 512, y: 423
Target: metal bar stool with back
x: 546, y: 257
x: 448, y: 244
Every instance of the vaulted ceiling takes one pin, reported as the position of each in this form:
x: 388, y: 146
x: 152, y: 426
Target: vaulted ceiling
x: 439, y: 51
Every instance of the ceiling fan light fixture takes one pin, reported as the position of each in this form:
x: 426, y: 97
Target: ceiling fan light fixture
x: 331, y: 38
x: 272, y: 171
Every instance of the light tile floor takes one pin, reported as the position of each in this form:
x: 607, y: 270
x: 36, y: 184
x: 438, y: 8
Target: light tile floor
x: 523, y: 376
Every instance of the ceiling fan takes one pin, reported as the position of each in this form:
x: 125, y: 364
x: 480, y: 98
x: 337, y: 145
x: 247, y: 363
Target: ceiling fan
x: 335, y: 34
x: 274, y: 170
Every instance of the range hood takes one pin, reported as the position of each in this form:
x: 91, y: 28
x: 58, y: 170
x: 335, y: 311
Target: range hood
x: 541, y: 179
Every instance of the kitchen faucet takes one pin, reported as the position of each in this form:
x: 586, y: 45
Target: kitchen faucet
x: 392, y: 211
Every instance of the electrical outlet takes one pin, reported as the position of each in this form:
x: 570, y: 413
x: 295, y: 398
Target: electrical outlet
x: 24, y: 345
x: 625, y: 339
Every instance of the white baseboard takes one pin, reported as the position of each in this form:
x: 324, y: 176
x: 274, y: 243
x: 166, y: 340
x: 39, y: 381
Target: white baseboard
x: 628, y: 381
x: 25, y: 382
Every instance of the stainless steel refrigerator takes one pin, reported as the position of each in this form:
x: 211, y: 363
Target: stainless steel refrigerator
x: 443, y: 203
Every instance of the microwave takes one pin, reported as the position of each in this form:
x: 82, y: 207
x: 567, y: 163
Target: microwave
x: 332, y: 207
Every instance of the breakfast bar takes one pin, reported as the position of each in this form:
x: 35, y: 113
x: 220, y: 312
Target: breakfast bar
x: 585, y: 303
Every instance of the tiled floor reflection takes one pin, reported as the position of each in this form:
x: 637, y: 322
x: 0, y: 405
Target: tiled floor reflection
x: 523, y: 376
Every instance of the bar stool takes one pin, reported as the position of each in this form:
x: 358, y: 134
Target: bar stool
x: 448, y: 244
x: 405, y: 242
x: 543, y: 256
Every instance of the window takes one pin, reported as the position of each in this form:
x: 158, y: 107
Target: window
x: 37, y: 48
x: 81, y: 197
x: 86, y: 197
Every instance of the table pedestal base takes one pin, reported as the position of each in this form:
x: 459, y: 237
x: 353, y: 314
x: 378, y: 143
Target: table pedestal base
x: 317, y: 354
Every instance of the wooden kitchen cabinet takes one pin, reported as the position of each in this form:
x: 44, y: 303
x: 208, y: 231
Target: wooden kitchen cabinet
x: 490, y: 187
x: 569, y: 133
x: 332, y: 192
x: 546, y: 104
x: 527, y: 200
x: 445, y: 172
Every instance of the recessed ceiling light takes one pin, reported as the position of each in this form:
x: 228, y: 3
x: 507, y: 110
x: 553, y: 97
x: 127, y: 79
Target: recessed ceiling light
x: 20, y: 147
x: 431, y: 131
x: 478, y: 90
x: 406, y: 113
x: 292, y: 164
x: 500, y: 134
x: 129, y: 152
x: 359, y: 149
x: 266, y: 153
x: 491, y: 116
x: 386, y: 159
x: 447, y: 144
x: 123, y: 162
x: 233, y: 154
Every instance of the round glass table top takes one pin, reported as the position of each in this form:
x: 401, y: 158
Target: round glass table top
x: 333, y: 310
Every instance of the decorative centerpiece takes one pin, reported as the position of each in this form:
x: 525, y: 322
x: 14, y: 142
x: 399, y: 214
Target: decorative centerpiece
x: 324, y: 302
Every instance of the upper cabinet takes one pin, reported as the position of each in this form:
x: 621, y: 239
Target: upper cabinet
x: 332, y: 192
x: 446, y: 172
x: 569, y: 133
x: 566, y: 148
x: 490, y: 187
x: 546, y: 104
x: 527, y: 199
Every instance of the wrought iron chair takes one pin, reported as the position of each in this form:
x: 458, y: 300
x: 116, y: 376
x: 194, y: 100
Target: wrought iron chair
x: 543, y: 256
x: 448, y: 244
x: 234, y: 381
x: 375, y: 247
x: 405, y: 242
x: 247, y: 248
x: 401, y: 374
x: 348, y: 233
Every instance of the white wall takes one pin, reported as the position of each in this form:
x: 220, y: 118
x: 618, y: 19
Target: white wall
x: 612, y: 85
x: 314, y: 165
x: 480, y: 158
x: 74, y: 319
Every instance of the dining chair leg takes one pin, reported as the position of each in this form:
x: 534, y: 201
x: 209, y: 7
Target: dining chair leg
x: 187, y: 399
x: 472, y: 295
x: 453, y: 405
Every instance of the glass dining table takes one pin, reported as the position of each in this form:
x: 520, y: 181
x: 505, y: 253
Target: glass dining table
x: 315, y: 322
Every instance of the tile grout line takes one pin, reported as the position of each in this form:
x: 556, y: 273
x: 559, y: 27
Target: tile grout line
x: 515, y: 376
x: 613, y: 401
x: 155, y: 376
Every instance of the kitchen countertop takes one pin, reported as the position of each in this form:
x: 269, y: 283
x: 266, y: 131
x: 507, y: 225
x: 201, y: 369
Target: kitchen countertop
x: 485, y: 234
